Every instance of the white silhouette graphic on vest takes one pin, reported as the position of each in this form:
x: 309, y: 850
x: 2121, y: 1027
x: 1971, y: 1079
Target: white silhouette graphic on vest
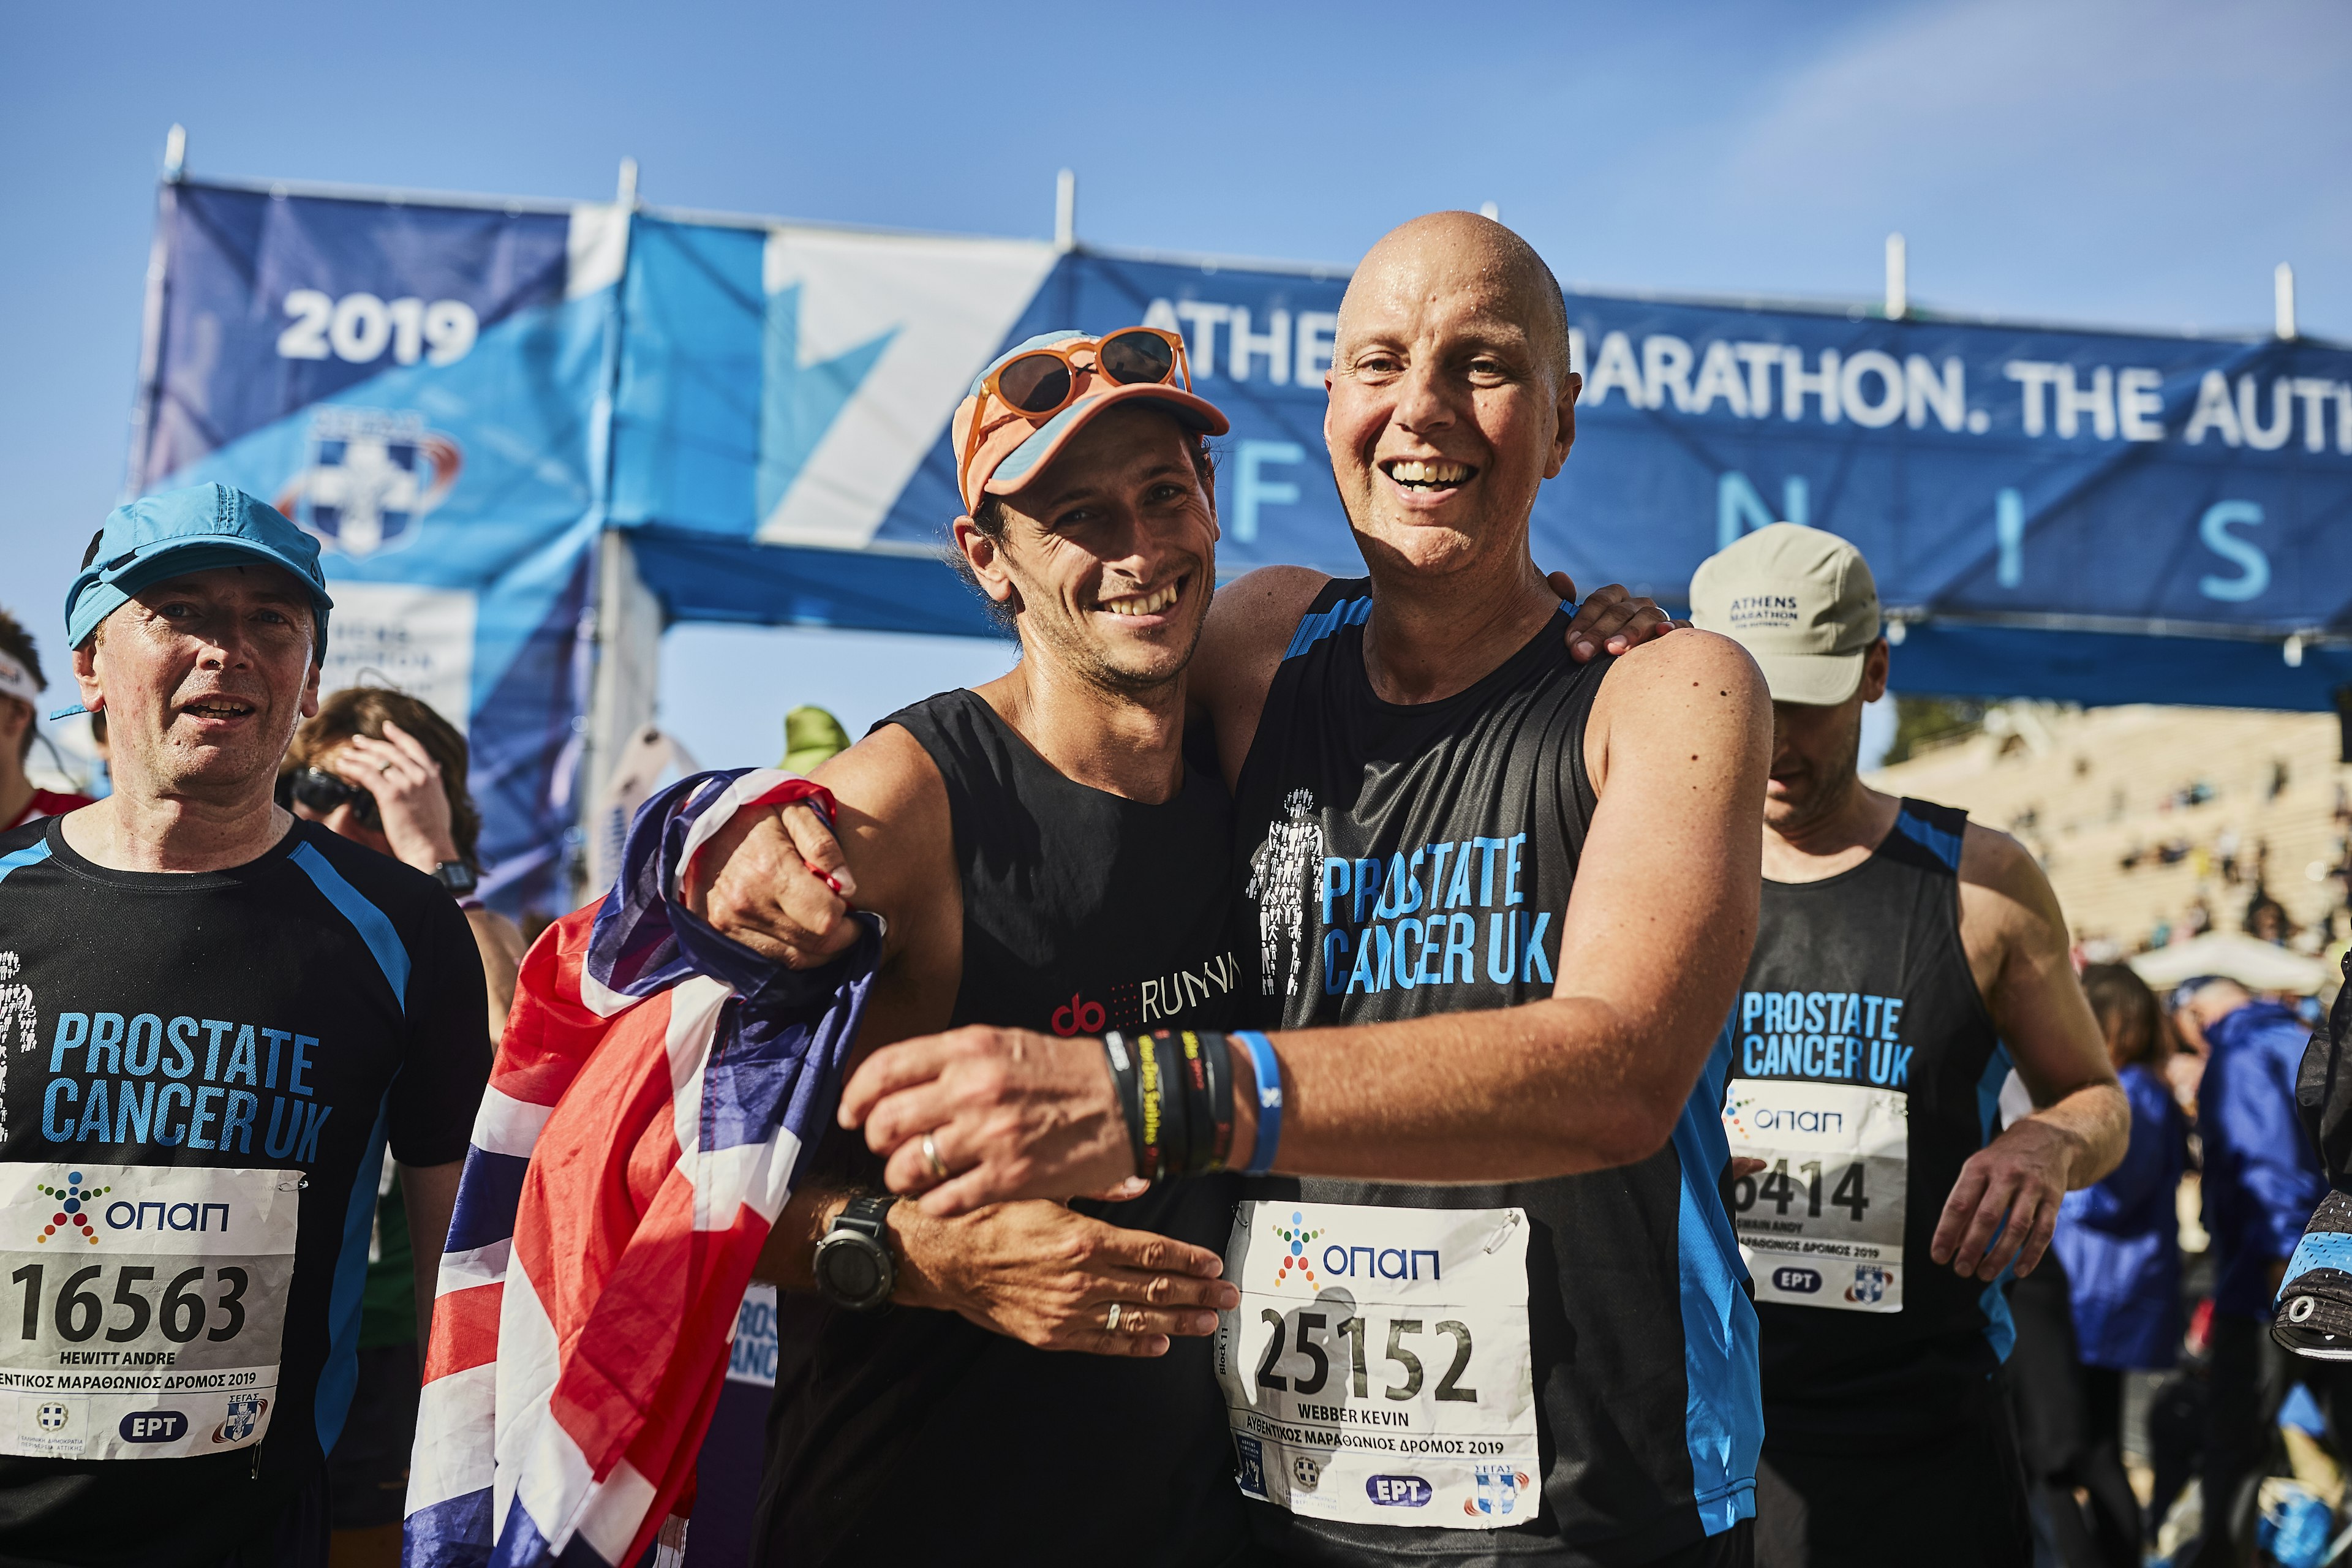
x: 18, y: 1018
x: 1284, y: 866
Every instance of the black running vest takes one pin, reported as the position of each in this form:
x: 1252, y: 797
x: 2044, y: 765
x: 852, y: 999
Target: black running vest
x: 1400, y: 861
x: 911, y: 1436
x: 1859, y: 980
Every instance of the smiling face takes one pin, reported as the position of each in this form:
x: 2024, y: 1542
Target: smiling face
x: 1107, y: 556
x: 202, y: 678
x: 1450, y: 398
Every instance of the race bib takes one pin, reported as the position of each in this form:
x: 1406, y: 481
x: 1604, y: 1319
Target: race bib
x: 1376, y: 1369
x: 143, y: 1309
x: 1821, y: 1225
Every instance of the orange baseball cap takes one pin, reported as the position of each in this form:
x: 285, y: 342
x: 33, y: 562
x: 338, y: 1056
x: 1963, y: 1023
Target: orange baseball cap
x: 1014, y: 448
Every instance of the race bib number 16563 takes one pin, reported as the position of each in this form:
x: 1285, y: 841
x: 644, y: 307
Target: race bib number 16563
x: 141, y: 1308
x: 1378, y: 1368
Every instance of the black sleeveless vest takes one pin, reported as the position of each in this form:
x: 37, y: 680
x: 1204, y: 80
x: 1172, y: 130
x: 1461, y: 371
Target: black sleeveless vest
x: 1859, y: 979
x: 911, y: 1436
x: 1400, y: 861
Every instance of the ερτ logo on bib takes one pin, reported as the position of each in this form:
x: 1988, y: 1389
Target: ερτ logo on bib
x: 70, y: 1214
x: 1295, y: 1235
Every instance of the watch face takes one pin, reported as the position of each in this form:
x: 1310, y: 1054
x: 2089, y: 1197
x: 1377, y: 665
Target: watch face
x: 852, y: 1272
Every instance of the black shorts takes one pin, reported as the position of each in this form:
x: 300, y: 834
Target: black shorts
x: 1956, y: 1499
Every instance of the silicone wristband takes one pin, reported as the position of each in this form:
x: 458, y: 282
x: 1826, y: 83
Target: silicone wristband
x: 1191, y: 1050
x: 1124, y: 1078
x: 1266, y: 1069
x: 1161, y: 1127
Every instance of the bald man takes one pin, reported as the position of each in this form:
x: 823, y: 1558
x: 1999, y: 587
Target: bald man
x: 1492, y: 1305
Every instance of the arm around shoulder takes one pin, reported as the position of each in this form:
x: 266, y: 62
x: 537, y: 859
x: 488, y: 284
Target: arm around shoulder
x: 1249, y: 627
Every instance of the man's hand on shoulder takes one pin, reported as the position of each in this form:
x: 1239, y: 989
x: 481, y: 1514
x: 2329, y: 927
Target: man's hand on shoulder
x: 1610, y: 619
x: 1048, y: 1277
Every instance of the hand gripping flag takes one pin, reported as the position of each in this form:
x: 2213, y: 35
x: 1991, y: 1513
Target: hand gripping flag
x: 650, y: 1105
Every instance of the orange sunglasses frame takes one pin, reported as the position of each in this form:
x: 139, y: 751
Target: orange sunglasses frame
x: 1181, y: 366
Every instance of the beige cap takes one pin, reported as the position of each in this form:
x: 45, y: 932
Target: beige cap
x: 1802, y: 602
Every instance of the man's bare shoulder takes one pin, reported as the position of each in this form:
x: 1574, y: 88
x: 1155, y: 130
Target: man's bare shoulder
x: 2001, y: 882
x: 1694, y: 686
x: 887, y: 777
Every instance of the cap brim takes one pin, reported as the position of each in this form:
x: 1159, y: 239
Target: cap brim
x: 176, y: 558
x: 1029, y: 459
x: 1812, y: 679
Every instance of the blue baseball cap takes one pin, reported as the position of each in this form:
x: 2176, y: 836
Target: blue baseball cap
x: 194, y: 529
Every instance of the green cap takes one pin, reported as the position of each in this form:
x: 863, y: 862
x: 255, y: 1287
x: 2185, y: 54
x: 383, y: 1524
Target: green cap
x: 811, y: 736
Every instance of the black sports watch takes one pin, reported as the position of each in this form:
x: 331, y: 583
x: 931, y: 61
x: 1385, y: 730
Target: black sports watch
x: 854, y: 1266
x: 456, y: 876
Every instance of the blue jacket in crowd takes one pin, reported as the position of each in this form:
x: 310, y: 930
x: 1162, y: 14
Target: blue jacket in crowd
x: 2261, y: 1175
x: 2119, y: 1240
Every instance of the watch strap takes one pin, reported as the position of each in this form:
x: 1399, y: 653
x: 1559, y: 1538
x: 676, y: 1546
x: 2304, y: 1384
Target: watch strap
x: 866, y: 1215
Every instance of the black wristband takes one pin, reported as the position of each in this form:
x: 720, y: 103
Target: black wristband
x: 1217, y: 1058
x: 1125, y: 1077
x: 1200, y: 1115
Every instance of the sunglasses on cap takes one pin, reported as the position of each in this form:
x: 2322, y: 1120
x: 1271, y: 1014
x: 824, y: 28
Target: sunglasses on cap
x: 1043, y: 381
x: 323, y: 792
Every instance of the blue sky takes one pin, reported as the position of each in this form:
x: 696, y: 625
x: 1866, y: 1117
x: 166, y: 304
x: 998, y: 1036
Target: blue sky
x: 2141, y: 163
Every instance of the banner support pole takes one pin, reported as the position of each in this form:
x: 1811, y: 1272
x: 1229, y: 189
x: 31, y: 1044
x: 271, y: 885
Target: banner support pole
x: 1899, y: 282
x: 150, y: 316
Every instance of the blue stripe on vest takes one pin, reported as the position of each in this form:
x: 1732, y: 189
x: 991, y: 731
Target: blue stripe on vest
x: 1724, y: 1395
x: 1945, y: 846
x: 2000, y: 1328
x: 30, y: 855
x: 374, y: 925
x: 1313, y: 630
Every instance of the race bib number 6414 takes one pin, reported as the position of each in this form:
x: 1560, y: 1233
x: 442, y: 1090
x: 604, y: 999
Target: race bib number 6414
x: 1378, y: 1368
x: 141, y: 1308
x: 1822, y: 1224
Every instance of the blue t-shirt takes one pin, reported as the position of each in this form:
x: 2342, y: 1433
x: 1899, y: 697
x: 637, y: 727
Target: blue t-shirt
x: 2261, y: 1175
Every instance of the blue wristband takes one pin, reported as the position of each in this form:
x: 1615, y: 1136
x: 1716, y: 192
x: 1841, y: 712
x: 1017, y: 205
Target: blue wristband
x: 1266, y: 1069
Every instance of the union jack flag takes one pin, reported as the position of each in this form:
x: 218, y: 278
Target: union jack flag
x: 655, y: 1092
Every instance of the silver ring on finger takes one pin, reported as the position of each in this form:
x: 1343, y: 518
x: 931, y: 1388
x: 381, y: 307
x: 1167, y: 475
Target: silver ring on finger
x: 938, y: 1167
x: 1110, y: 1319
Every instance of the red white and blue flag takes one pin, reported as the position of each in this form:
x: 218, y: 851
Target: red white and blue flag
x: 652, y: 1101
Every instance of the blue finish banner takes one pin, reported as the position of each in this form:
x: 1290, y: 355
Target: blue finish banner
x: 2010, y: 481
x: 415, y: 386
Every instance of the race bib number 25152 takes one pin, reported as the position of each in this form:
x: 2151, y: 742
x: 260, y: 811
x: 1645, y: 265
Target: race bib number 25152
x: 1377, y: 1368
x: 141, y: 1308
